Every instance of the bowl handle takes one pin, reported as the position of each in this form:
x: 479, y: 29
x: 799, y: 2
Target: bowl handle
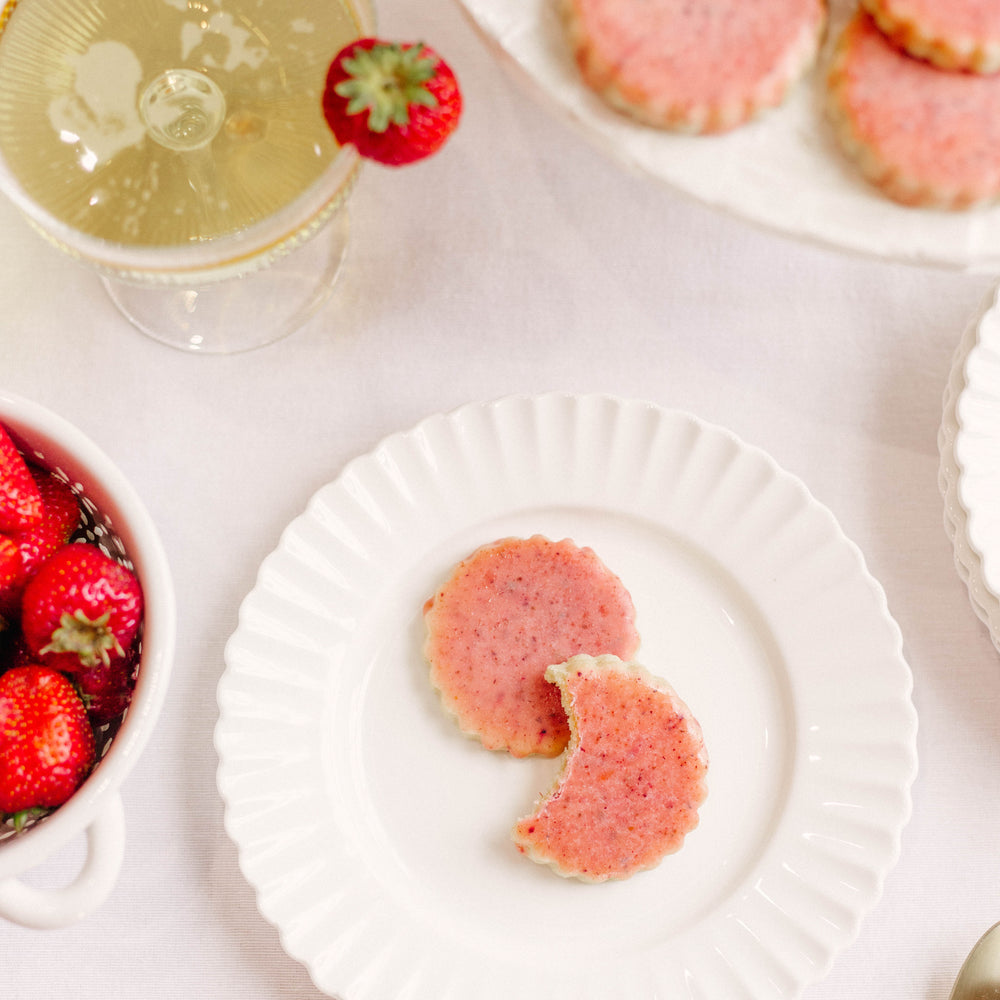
x: 48, y: 908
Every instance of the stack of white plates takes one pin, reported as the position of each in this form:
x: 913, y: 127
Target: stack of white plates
x: 969, y: 476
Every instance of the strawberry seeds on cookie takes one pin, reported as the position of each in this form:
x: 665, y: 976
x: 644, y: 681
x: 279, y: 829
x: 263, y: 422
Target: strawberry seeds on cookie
x: 701, y: 66
x: 632, y: 779
x: 926, y: 137
x: 507, y: 612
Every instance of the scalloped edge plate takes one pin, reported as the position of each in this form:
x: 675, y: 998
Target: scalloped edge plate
x: 969, y: 446
x: 377, y: 837
x: 750, y: 171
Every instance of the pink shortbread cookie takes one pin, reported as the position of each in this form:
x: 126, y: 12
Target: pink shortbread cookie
x: 925, y: 136
x: 632, y: 779
x: 956, y: 35
x: 694, y: 65
x: 506, y: 613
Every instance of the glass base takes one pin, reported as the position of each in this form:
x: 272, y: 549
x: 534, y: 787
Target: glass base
x: 242, y: 313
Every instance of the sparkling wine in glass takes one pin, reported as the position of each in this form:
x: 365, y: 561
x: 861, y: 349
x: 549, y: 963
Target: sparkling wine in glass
x: 179, y: 147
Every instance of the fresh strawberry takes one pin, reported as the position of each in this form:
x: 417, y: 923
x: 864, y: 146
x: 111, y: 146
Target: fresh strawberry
x: 107, y: 689
x: 396, y: 102
x: 81, y: 608
x: 46, y: 740
x: 60, y: 518
x: 11, y: 571
x: 20, y: 504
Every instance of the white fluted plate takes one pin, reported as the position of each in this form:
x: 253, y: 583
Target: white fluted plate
x: 977, y: 478
x: 377, y: 837
x: 784, y: 171
x: 974, y: 391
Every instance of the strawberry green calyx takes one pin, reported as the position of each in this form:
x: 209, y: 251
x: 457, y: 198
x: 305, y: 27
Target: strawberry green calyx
x: 90, y: 639
x: 23, y: 817
x: 385, y: 81
x: 394, y: 102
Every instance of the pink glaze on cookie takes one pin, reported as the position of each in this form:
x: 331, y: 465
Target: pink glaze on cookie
x: 957, y: 34
x: 632, y: 780
x: 704, y: 66
x: 506, y: 613
x: 925, y: 136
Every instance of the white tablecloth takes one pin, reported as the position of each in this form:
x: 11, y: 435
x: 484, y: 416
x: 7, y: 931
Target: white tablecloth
x: 518, y: 260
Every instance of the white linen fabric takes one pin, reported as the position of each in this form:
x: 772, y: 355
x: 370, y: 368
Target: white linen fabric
x: 518, y: 260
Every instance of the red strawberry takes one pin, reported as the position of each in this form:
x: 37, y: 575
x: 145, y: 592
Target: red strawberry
x: 11, y: 570
x: 20, y: 504
x: 60, y: 518
x: 81, y: 608
x: 46, y: 741
x: 395, y: 102
x: 107, y: 689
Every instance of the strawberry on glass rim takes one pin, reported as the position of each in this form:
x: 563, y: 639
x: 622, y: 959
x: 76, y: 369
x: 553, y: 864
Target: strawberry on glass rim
x: 396, y: 102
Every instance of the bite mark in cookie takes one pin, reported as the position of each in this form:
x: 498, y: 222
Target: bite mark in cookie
x: 632, y: 779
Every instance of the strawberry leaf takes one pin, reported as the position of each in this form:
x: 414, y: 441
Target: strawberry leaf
x: 386, y: 81
x: 20, y: 820
x: 92, y: 640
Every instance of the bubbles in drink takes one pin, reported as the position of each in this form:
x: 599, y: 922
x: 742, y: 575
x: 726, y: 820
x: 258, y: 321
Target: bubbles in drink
x: 182, y: 109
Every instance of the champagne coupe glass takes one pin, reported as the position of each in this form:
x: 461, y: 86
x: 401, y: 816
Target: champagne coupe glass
x: 179, y: 147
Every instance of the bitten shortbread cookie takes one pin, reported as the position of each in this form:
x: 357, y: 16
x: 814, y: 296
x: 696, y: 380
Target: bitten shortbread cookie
x: 632, y: 779
x: 925, y: 136
x: 694, y: 65
x: 956, y: 35
x: 508, y: 611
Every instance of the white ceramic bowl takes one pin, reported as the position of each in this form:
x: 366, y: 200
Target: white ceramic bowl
x: 96, y: 806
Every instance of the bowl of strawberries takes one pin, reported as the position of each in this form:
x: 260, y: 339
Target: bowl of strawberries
x: 87, y: 631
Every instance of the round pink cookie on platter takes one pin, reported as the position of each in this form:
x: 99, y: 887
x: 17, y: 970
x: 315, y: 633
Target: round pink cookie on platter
x: 632, y: 779
x: 696, y: 66
x: 956, y: 35
x: 507, y: 612
x: 925, y: 136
